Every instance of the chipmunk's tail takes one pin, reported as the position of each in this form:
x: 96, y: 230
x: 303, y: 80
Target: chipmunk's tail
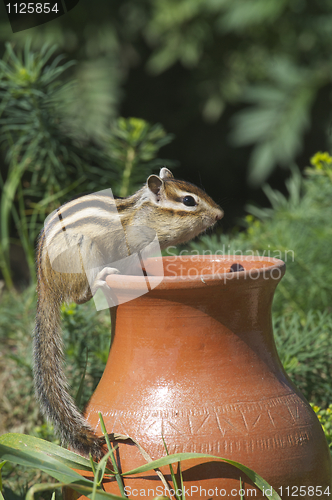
x: 50, y: 382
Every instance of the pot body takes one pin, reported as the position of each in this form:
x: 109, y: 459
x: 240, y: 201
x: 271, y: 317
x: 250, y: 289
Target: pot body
x: 194, y: 361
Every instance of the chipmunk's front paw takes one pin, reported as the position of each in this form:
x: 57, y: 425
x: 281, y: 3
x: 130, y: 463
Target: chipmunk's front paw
x: 100, y: 280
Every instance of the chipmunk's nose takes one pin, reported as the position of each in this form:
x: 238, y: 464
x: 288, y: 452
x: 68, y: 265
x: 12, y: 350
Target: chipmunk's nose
x: 219, y: 214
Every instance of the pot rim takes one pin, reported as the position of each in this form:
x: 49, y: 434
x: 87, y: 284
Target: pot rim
x: 256, y: 269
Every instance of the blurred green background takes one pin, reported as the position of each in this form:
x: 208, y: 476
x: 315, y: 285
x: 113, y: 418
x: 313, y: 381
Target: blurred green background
x: 245, y: 86
x: 235, y: 95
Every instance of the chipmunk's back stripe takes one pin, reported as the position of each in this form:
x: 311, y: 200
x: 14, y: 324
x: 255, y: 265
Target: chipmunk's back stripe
x: 90, y: 214
x: 73, y: 208
x: 91, y: 224
x: 76, y: 206
x: 61, y: 219
x: 90, y: 210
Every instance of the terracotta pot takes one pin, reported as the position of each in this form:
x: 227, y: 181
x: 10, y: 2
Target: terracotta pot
x: 194, y: 360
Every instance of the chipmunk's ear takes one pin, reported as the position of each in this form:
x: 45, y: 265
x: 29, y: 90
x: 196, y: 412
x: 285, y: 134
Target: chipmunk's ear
x: 154, y: 184
x: 165, y: 173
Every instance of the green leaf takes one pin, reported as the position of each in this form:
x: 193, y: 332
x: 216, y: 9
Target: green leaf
x: 84, y: 490
x: 171, y: 459
x: 30, y: 449
x: 242, y: 14
x: 52, y: 459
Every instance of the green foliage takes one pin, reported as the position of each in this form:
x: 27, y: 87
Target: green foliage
x: 303, y: 337
x: 325, y: 418
x: 33, y: 129
x: 42, y: 156
x: 297, y: 229
x: 305, y: 350
x: 85, y: 352
x: 299, y: 224
x: 93, y: 101
x: 272, y: 55
x: 48, y: 158
x: 50, y: 458
x: 16, y: 317
x: 133, y: 147
x: 18, y: 408
x: 277, y: 118
x: 59, y: 463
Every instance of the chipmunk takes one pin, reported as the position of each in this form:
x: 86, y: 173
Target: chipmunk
x: 175, y: 210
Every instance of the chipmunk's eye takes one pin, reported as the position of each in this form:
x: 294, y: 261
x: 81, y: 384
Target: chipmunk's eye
x: 189, y: 201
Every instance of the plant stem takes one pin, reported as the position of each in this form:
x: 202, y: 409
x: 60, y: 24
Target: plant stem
x: 127, y: 172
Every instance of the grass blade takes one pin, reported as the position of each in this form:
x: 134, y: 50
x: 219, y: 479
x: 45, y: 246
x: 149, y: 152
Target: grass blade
x: 20, y: 445
x: 115, y: 467
x: 84, y: 490
x: 171, y: 471
x: 171, y: 459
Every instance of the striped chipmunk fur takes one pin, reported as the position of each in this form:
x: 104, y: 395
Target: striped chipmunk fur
x: 98, y: 225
